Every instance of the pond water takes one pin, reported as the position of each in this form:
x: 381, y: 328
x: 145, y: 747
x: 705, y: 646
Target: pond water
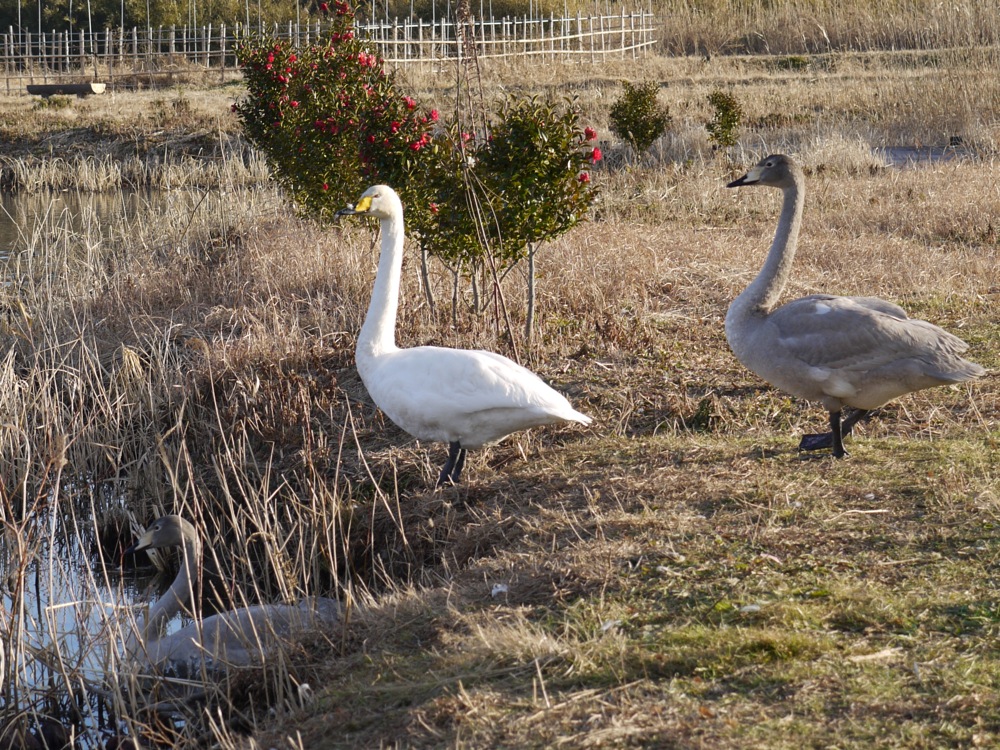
x: 63, y: 609
x: 63, y: 606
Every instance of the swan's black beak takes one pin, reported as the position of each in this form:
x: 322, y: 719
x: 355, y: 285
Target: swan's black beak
x: 750, y: 178
x: 349, y: 211
x: 138, y: 545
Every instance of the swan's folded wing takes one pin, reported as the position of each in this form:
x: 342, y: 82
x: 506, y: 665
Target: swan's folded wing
x: 472, y: 396
x: 860, y: 334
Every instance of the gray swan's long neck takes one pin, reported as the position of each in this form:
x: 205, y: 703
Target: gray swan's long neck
x: 764, y: 291
x: 177, y: 596
x: 378, y: 334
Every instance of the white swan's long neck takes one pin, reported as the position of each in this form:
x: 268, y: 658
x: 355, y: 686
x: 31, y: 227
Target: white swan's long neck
x: 378, y: 334
x: 176, y: 597
x: 763, y: 293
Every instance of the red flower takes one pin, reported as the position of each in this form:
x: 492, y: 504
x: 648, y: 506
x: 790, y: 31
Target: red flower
x: 596, y: 155
x: 325, y: 187
x: 589, y: 133
x: 434, y: 208
x: 434, y: 115
x: 324, y: 7
x: 295, y: 104
x: 584, y: 177
x: 410, y: 103
x: 371, y: 139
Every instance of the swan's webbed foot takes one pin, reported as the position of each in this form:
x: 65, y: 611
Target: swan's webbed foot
x: 452, y: 468
x: 838, y: 431
x: 816, y: 441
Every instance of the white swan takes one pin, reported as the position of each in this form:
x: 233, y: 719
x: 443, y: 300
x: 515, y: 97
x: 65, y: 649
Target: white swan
x: 462, y: 397
x: 240, y: 638
x: 841, y: 351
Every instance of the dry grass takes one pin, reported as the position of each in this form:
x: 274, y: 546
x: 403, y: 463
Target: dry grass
x: 676, y: 575
x: 810, y: 26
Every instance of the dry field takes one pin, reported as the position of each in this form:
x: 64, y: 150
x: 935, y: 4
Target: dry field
x: 676, y: 575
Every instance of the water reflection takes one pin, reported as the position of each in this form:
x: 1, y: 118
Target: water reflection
x: 24, y: 216
x: 62, y: 609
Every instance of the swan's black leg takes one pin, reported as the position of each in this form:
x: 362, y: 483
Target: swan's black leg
x: 453, y: 466
x: 837, y: 432
x: 819, y: 441
x: 858, y: 415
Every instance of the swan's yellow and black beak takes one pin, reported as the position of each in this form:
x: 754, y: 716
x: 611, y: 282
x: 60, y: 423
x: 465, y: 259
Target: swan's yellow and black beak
x: 750, y: 178
x: 361, y: 207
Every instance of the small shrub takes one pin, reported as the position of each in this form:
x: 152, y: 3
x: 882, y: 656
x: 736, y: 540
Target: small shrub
x: 792, y: 62
x: 724, y: 127
x: 57, y: 101
x: 637, y: 117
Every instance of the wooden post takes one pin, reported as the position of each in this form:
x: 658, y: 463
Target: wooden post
x: 631, y: 32
x: 108, y: 45
x: 623, y: 33
x: 406, y: 41
x: 552, y: 36
x: 444, y: 38
x: 420, y: 43
x: 222, y: 53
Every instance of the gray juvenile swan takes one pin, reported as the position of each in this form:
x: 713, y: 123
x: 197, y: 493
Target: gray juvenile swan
x: 462, y: 397
x: 841, y: 351
x: 240, y: 638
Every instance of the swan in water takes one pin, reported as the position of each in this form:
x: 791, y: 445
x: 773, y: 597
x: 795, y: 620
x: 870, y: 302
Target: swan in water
x: 239, y: 638
x: 840, y: 351
x: 462, y: 397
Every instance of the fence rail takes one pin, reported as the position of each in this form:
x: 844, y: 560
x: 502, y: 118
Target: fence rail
x: 119, y: 55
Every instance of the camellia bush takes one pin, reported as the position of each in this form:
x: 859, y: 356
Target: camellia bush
x: 332, y: 121
x: 328, y: 117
